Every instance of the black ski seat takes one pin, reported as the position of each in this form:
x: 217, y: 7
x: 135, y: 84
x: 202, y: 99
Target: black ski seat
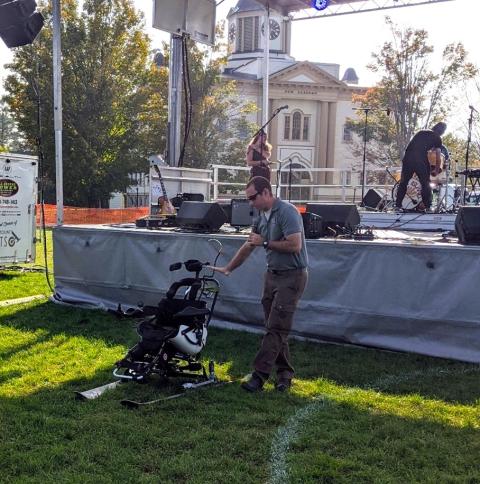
x: 191, y: 312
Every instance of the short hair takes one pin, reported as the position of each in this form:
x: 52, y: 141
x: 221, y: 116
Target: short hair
x: 260, y: 183
x: 440, y: 128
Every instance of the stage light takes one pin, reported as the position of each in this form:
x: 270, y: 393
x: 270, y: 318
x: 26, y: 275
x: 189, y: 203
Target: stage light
x: 320, y: 4
x: 19, y: 22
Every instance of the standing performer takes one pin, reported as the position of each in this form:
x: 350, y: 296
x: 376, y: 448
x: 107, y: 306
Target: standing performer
x: 258, y: 156
x: 279, y: 230
x: 416, y: 161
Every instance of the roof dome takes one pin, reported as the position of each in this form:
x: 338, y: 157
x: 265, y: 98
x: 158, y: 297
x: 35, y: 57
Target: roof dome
x: 350, y: 76
x: 246, y: 6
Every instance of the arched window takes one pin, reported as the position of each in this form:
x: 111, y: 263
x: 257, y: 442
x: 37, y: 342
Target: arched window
x: 296, y: 126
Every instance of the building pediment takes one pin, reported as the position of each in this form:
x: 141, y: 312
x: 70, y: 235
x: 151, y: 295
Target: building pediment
x: 306, y: 73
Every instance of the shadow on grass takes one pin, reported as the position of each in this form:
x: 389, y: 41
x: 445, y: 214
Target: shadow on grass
x: 9, y: 276
x: 433, y: 378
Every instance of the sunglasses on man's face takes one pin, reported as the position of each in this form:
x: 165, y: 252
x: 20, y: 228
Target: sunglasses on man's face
x: 253, y: 197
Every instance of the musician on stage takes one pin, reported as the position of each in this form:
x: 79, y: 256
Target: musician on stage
x: 258, y: 156
x: 415, y: 160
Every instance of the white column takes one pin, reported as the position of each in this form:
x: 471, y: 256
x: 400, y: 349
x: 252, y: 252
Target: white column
x: 332, y: 122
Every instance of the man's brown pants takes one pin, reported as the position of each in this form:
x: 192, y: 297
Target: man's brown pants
x: 281, y: 292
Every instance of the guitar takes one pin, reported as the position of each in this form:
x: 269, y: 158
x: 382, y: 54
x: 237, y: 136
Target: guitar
x: 432, y: 159
x: 165, y: 207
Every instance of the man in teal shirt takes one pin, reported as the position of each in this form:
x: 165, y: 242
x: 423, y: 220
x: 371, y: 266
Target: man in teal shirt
x: 279, y: 230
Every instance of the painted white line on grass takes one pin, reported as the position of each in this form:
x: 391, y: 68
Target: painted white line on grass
x: 21, y: 300
x: 287, y: 434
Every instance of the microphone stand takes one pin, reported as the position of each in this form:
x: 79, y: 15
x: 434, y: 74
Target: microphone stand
x: 366, y: 111
x: 290, y: 180
x: 259, y: 130
x: 275, y: 113
x: 467, y: 153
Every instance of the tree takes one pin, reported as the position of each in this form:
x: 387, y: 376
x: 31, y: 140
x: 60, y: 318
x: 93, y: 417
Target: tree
x: 417, y: 96
x: 10, y: 139
x: 105, y: 64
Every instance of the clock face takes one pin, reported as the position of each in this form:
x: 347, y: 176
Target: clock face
x: 231, y: 33
x: 274, y: 29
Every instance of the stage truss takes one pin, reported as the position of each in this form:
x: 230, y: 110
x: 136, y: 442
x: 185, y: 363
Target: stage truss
x: 301, y: 10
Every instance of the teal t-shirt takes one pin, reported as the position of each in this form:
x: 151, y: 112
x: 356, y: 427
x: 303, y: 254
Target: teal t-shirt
x: 284, y: 220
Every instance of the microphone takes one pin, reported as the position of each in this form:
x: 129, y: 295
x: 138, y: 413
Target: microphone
x: 283, y: 107
x: 472, y: 108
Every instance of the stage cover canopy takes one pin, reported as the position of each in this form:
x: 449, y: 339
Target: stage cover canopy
x: 338, y: 7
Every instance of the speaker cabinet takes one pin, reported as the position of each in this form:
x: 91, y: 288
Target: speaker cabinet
x: 467, y: 225
x: 374, y: 199
x: 194, y: 17
x: 186, y: 197
x: 312, y: 225
x: 337, y: 218
x: 242, y: 213
x: 201, y: 216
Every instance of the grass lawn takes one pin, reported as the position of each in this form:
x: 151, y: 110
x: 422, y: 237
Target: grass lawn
x: 354, y: 415
x: 16, y: 284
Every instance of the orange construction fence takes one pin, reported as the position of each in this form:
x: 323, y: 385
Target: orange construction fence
x: 78, y: 216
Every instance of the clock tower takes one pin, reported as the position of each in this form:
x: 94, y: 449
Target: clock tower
x: 246, y: 32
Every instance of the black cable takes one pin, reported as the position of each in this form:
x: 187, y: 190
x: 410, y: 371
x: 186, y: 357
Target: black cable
x: 187, y: 97
x: 36, y: 88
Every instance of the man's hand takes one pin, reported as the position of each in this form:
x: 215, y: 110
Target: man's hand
x: 255, y: 240
x: 223, y: 270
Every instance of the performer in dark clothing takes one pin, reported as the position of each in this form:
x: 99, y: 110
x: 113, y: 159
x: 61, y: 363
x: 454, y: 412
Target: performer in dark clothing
x: 258, y: 156
x: 416, y: 161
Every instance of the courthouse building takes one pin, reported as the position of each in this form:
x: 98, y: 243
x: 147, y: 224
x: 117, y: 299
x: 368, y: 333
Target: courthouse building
x: 311, y: 133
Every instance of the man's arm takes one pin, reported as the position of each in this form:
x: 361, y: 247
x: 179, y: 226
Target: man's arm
x: 291, y: 245
x: 238, y: 259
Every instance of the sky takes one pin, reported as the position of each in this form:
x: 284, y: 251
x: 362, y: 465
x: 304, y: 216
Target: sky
x: 349, y: 40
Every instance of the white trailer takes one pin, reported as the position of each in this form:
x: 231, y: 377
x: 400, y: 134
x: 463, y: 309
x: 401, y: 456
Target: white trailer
x: 18, y: 197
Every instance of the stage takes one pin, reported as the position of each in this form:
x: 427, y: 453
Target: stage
x: 429, y: 222
x: 412, y: 292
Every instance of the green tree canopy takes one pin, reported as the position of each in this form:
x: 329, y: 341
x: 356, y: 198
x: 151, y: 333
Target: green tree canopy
x: 417, y: 96
x: 105, y: 66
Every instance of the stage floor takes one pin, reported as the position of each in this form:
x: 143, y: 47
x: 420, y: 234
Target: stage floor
x: 431, y: 222
x: 412, y: 291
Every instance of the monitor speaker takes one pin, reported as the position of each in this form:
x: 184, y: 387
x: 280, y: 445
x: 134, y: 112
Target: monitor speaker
x: 374, y: 198
x: 242, y: 213
x: 343, y: 217
x: 201, y: 216
x: 467, y: 225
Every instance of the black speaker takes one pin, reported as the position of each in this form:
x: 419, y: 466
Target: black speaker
x: 19, y: 22
x: 337, y: 218
x: 312, y: 225
x: 201, y: 216
x: 467, y: 225
x: 374, y: 199
x: 186, y: 197
x: 242, y: 213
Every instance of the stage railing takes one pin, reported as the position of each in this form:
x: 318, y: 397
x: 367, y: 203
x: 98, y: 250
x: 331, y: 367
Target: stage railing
x: 307, y: 184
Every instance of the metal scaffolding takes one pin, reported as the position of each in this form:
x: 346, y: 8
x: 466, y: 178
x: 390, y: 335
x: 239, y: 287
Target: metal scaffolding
x: 302, y: 9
